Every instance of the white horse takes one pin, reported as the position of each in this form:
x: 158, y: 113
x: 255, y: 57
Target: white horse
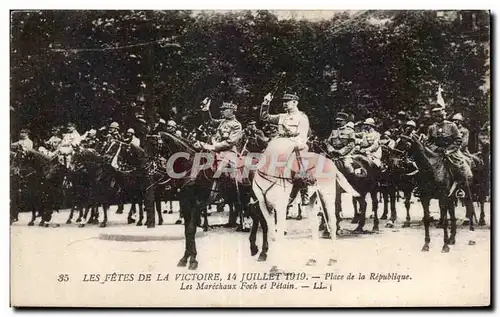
x: 273, y: 182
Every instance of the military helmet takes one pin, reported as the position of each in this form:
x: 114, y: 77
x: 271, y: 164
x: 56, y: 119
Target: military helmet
x: 458, y: 117
x: 131, y: 131
x: 114, y: 125
x: 369, y: 121
x: 411, y: 123
x: 171, y: 123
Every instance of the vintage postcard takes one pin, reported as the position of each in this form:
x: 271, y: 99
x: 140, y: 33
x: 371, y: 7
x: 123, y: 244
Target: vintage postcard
x: 260, y: 158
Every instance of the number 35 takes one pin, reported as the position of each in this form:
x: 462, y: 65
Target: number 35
x: 63, y: 278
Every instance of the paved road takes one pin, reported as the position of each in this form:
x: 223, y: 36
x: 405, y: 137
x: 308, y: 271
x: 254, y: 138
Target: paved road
x: 40, y: 255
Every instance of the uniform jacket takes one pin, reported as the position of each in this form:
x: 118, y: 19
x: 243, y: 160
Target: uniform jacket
x: 227, y: 135
x: 444, y: 135
x: 342, y: 139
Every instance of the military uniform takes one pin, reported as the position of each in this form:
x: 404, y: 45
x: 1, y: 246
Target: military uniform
x: 445, y: 136
x: 342, y: 140
x: 369, y: 144
x: 293, y: 126
x: 228, y: 133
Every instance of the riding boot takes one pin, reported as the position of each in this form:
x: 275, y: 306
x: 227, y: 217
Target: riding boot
x: 304, y: 193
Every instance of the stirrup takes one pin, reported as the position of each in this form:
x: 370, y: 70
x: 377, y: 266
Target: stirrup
x: 460, y: 193
x: 306, y: 200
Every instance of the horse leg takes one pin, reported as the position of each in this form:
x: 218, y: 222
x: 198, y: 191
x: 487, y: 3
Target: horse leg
x: 204, y: 212
x: 482, y: 222
x: 141, y: 214
x: 385, y: 197
x: 362, y: 212
x: 191, y: 234
x: 375, y: 210
x: 160, y: 216
x: 185, y: 209
x: 407, y: 194
x: 70, y: 217
x: 131, y: 211
x: 120, y: 209
x: 356, y: 217
x: 425, y: 205
x: 33, y: 216
x: 254, y: 214
x: 453, y: 220
x: 443, y: 210
x: 104, y: 222
x: 80, y: 214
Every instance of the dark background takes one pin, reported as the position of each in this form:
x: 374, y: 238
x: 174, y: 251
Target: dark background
x: 353, y: 63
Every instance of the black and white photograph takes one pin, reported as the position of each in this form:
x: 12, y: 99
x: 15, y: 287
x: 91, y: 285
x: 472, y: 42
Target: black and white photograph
x: 250, y: 158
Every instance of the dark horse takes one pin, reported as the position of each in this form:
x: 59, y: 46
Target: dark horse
x: 94, y: 184
x: 129, y: 170
x: 398, y: 174
x: 39, y: 179
x: 364, y: 179
x: 435, y: 181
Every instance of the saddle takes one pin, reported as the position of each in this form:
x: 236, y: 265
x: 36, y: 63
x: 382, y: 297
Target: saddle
x: 234, y: 165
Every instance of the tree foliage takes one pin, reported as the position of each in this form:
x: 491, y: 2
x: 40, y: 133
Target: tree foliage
x: 374, y: 64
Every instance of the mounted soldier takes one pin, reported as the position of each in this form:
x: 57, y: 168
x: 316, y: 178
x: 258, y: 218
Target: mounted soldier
x: 292, y: 125
x: 89, y: 140
x: 70, y: 139
x: 370, y: 143
x: 52, y: 143
x: 341, y: 141
x: 256, y: 140
x: 458, y: 119
x: 131, y: 138
x: 445, y: 139
x: 387, y: 140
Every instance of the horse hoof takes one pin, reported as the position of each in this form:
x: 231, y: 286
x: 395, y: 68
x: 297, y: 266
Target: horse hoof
x: 482, y: 222
x: 384, y: 217
x: 81, y: 225
x: 465, y: 222
x: 46, y: 225
x: 41, y: 224
x: 31, y: 224
x: 406, y: 224
x: 193, y: 265
x: 445, y: 249
x: 178, y: 222
x: 68, y: 222
x: 119, y: 212
x: 130, y: 220
x: 288, y: 217
x: 160, y: 223
x: 245, y: 230
x: 165, y: 211
x: 262, y: 257
x: 139, y: 223
x: 425, y: 248
x: 472, y: 242
x: 375, y: 229
x: 182, y: 262
x: 254, y: 250
x: 326, y: 235
x: 78, y: 220
x: 471, y: 229
x: 205, y: 229
x: 170, y: 212
x: 389, y: 224
x: 331, y: 262
x: 311, y: 262
x: 102, y: 225
x: 451, y: 241
x: 299, y: 217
